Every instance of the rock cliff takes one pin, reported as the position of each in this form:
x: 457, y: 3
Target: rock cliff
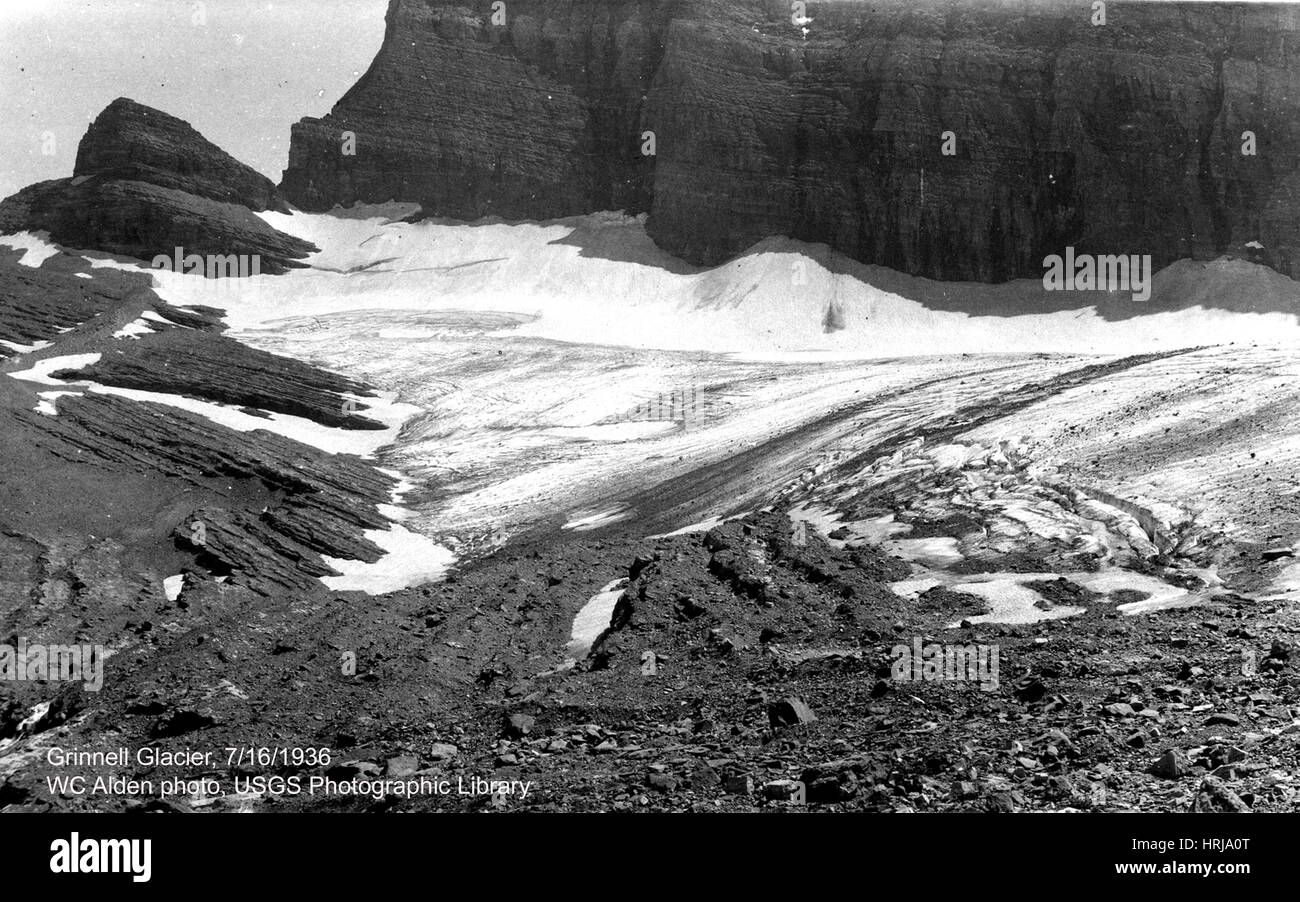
x: 1123, y: 137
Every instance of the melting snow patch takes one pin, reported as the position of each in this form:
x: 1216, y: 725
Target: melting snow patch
x: 1013, y: 602
x: 1150, y: 605
x: 411, y: 559
x: 702, y: 526
x: 395, y: 510
x: 1010, y: 602
x: 825, y: 521
x: 1160, y: 594
x: 37, y: 248
x: 40, y: 372
x: 47, y: 406
x: 913, y: 588
x: 36, y: 715
x: 584, y: 521
x: 1287, y: 581
x: 25, y: 349
x: 940, y: 551
x: 594, y: 618
x: 133, y: 329
x: 361, y: 442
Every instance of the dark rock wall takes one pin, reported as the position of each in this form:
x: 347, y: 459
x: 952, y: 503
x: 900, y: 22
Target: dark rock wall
x: 536, y: 119
x: 1122, y: 138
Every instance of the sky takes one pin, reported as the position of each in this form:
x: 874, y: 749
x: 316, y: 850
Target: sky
x: 239, y: 71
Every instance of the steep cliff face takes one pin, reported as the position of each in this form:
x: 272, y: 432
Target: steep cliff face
x: 1125, y: 137
x: 536, y: 118
x: 1120, y: 138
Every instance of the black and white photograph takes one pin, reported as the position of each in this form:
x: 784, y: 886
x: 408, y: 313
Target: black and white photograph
x: 624, y: 412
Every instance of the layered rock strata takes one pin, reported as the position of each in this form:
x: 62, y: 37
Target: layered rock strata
x: 946, y: 138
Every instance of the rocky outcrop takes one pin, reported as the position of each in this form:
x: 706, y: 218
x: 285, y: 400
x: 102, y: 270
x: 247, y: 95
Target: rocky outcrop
x: 215, y: 368
x: 145, y: 183
x: 131, y: 142
x: 1124, y: 137
x: 176, y: 491
x: 38, y: 304
x: 319, y: 504
x: 137, y: 219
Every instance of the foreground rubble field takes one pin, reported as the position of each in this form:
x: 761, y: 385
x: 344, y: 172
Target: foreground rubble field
x: 743, y: 671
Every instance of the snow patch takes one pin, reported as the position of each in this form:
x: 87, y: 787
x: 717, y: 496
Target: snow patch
x: 133, y: 329
x: 409, y: 559
x: 594, y: 618
x: 37, y: 246
x: 40, y: 371
x: 702, y: 526
x: 874, y: 531
x: 914, y: 588
x: 362, y: 442
x: 47, y: 402
x: 938, y: 551
x: 584, y: 521
x: 1010, y: 602
x: 25, y: 349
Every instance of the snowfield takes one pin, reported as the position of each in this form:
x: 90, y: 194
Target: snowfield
x: 599, y: 279
x: 532, y: 373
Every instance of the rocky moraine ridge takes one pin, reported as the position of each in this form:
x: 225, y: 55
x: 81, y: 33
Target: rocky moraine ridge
x: 1124, y: 138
